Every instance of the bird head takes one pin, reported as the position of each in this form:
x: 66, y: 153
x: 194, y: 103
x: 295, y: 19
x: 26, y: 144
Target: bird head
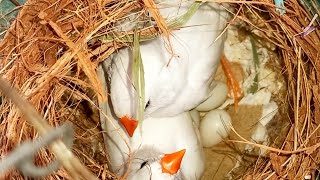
x: 163, y: 167
x: 123, y: 92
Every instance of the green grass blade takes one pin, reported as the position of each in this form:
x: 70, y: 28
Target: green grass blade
x: 255, y: 85
x: 138, y: 76
x: 183, y: 19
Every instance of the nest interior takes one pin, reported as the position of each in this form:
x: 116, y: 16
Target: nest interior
x: 51, y: 51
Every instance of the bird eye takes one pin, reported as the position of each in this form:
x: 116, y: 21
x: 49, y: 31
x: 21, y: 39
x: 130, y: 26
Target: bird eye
x: 147, y: 105
x: 143, y: 164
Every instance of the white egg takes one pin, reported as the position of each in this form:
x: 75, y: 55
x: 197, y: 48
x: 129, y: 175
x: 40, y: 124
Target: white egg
x: 217, y: 97
x: 195, y: 115
x: 214, y: 127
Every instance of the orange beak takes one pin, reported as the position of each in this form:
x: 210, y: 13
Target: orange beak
x: 129, y: 124
x: 170, y: 163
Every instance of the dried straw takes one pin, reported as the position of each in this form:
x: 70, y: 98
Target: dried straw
x: 50, y: 55
x: 299, y: 155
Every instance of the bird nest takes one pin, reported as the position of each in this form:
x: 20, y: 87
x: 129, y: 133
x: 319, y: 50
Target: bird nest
x: 51, y: 51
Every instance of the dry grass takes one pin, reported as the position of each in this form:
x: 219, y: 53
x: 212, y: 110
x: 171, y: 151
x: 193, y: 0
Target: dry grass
x: 299, y: 154
x: 51, y: 55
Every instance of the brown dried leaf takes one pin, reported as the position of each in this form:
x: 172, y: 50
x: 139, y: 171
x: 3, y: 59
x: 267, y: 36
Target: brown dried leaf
x: 274, y: 177
x: 276, y: 162
x: 248, y: 177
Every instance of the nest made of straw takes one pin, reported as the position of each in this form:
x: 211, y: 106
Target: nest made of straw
x: 50, y: 54
x: 299, y: 156
x: 51, y: 51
